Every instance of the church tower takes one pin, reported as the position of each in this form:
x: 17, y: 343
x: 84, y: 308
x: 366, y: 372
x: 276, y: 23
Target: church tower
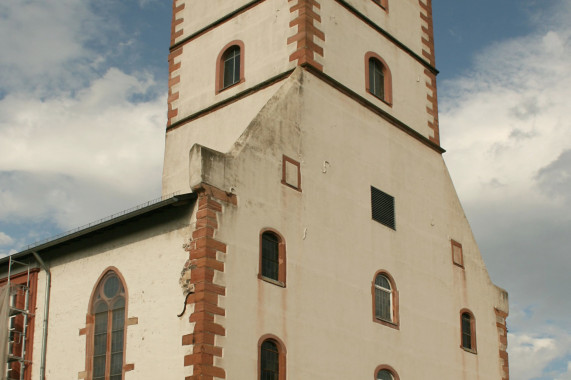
x: 328, y: 241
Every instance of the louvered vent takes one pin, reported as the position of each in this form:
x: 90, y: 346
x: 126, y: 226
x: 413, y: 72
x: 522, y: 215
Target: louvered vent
x: 383, y: 207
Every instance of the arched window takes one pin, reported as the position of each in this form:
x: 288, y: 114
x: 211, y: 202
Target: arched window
x: 106, y: 346
x: 385, y: 372
x: 272, y: 356
x: 385, y: 300
x: 230, y: 66
x: 378, y: 77
x: 384, y: 375
x: 468, y: 327
x: 272, y: 258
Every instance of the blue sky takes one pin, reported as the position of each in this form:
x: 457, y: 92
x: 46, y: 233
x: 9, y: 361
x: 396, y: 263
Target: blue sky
x: 83, y: 112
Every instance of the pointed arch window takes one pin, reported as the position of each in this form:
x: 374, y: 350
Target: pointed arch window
x: 107, y: 346
x: 468, y: 327
x: 230, y: 66
x: 271, y: 358
x: 378, y: 78
x: 385, y: 300
x: 272, y: 257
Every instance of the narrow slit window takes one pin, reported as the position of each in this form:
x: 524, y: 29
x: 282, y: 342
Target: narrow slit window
x: 383, y: 298
x: 231, y: 63
x: 468, y: 331
x: 272, y: 258
x: 376, y: 78
x: 271, y: 358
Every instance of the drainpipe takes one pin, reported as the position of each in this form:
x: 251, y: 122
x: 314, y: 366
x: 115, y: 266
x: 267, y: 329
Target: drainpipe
x: 46, y: 313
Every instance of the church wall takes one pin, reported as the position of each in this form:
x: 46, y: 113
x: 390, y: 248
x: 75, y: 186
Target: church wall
x: 150, y: 261
x: 324, y: 315
x: 345, y: 50
x: 210, y: 11
x: 400, y: 12
x: 217, y: 130
x: 265, y: 56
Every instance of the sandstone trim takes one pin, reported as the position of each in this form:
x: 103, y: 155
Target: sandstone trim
x: 203, y: 264
x: 427, y: 40
x: 501, y: 324
x: 174, y: 61
x: 306, y: 20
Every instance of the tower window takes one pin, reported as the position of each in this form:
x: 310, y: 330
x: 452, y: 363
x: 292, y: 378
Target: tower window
x: 385, y: 372
x: 383, y: 208
x: 272, y: 258
x: 271, y: 360
x: 231, y: 62
x: 385, y: 300
x: 384, y: 375
x: 230, y: 66
x: 378, y: 78
x: 468, y: 327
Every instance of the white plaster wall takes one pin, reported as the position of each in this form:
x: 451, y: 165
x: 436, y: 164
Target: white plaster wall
x: 324, y: 314
x: 345, y: 48
x: 266, y: 55
x: 217, y: 130
x: 401, y: 12
x: 209, y: 11
x: 151, y: 268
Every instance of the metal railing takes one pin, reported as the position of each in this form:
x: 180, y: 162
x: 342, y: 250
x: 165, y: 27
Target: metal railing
x: 102, y: 220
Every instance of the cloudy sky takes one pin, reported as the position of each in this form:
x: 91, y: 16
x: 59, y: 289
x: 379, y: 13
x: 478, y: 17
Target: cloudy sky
x: 83, y: 111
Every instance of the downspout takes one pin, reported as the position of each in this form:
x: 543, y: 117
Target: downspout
x: 46, y: 314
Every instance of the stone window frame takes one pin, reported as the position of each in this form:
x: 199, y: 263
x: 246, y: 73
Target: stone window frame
x: 297, y: 164
x: 395, y: 322
x: 281, y: 281
x: 387, y: 77
x: 282, y: 353
x: 219, y: 80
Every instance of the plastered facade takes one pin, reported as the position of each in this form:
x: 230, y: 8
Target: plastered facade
x: 334, y: 248
x: 150, y: 261
x: 293, y: 147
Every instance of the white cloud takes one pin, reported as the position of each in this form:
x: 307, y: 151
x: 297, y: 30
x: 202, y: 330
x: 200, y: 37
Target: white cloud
x: 5, y: 239
x: 80, y: 139
x: 508, y: 135
x: 59, y: 150
x: 43, y: 40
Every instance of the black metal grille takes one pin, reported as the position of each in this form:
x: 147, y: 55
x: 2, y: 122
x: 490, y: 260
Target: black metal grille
x: 383, y: 208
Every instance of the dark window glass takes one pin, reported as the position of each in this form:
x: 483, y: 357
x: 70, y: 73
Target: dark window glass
x: 269, y: 361
x: 384, y: 375
x: 383, y: 298
x: 270, y: 256
x: 108, y: 337
x: 231, y: 66
x: 467, y: 331
x: 376, y: 78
